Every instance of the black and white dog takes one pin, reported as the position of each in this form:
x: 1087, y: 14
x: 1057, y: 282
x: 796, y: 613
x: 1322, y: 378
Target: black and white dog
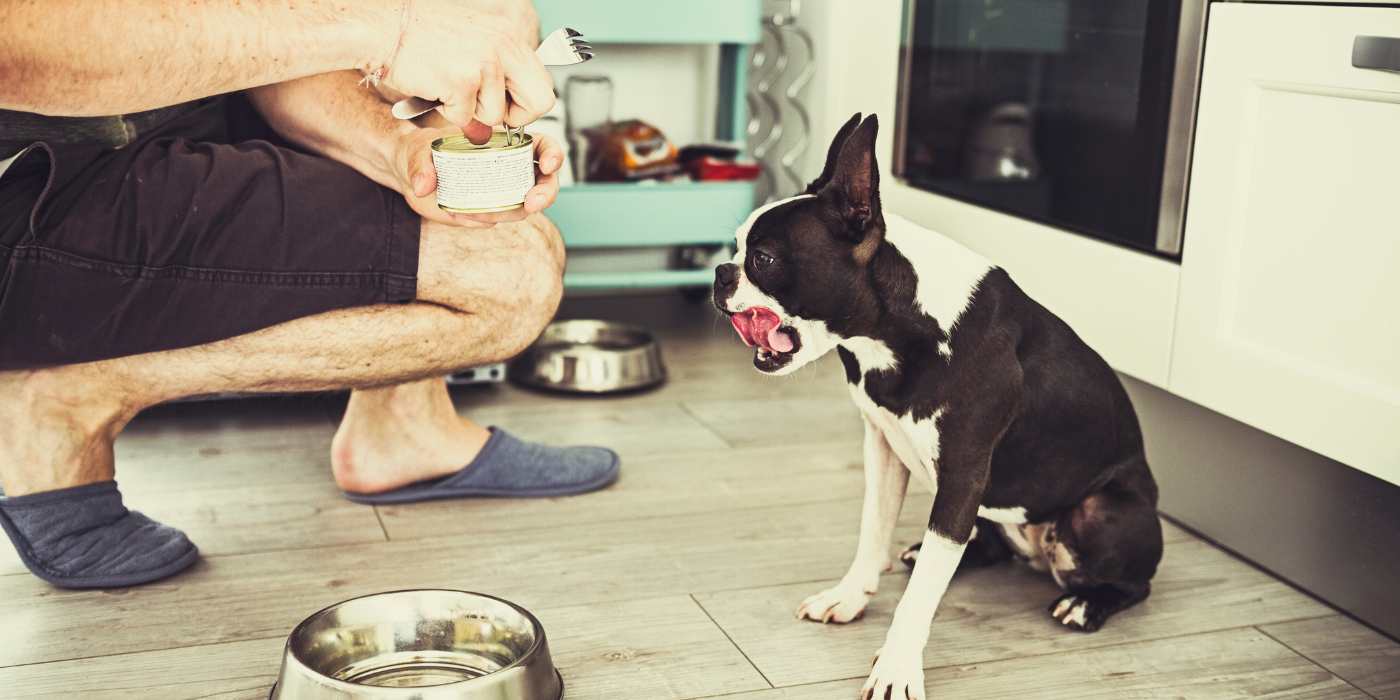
x: 1024, y: 435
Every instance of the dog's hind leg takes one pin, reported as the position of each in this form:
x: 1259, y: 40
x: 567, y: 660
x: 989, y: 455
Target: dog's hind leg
x: 986, y: 547
x: 1104, y: 552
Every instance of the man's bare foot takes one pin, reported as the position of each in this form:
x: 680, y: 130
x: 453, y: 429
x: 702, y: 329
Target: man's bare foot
x: 57, y: 427
x: 394, y: 436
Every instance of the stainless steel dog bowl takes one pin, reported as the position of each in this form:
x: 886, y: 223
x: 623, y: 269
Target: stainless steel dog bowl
x: 421, y: 644
x: 591, y: 357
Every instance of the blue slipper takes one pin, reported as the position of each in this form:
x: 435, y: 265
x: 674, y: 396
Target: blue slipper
x: 508, y: 467
x: 84, y: 537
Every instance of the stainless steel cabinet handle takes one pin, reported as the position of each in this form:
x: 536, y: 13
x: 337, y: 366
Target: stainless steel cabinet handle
x: 1376, y: 53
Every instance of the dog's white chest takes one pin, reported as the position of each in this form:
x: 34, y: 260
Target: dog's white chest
x: 915, y: 443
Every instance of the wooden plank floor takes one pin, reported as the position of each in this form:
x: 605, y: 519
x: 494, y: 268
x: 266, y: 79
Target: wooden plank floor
x: 740, y: 495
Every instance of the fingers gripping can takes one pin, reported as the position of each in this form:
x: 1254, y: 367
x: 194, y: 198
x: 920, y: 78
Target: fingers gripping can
x: 483, y: 178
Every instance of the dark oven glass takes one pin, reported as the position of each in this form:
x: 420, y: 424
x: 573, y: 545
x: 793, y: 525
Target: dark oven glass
x: 1052, y: 110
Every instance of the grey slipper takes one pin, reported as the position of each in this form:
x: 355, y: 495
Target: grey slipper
x: 508, y: 467
x: 84, y: 537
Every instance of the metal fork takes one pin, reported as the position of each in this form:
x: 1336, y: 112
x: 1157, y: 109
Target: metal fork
x: 563, y: 47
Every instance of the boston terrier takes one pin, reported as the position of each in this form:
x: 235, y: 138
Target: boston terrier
x: 1023, y: 434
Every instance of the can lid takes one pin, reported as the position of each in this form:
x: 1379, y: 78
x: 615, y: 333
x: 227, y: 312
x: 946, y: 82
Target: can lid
x: 460, y: 144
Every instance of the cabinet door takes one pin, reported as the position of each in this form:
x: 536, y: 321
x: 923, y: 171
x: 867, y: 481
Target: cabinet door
x: 1289, y: 307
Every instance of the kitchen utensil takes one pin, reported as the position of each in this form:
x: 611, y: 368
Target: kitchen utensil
x: 591, y: 357
x: 588, y: 101
x: 421, y: 644
x: 563, y: 47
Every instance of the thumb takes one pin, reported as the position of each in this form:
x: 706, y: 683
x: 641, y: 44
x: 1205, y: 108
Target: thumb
x: 477, y: 132
x: 422, y: 176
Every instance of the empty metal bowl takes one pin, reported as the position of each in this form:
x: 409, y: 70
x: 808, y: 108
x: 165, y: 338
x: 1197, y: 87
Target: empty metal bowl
x: 422, y: 644
x: 591, y: 357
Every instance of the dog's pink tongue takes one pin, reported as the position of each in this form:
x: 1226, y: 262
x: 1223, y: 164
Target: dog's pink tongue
x: 779, y: 340
x: 760, y: 326
x: 763, y: 327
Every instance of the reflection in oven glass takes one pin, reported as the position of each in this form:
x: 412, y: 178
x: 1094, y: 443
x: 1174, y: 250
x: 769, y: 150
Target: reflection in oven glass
x: 1053, y: 110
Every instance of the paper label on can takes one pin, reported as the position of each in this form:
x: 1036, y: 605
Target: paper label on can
x: 484, y: 179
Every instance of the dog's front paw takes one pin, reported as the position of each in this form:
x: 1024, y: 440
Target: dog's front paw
x: 840, y: 604
x: 895, y: 676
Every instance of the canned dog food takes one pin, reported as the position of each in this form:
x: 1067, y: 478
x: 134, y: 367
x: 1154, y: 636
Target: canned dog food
x: 483, y: 178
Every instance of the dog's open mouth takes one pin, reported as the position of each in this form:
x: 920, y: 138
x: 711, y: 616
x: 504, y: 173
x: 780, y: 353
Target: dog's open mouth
x: 774, y: 344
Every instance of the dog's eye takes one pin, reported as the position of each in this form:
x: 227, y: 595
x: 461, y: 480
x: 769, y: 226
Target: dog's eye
x: 762, y: 260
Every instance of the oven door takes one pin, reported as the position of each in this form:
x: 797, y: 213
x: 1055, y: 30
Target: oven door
x: 1073, y: 113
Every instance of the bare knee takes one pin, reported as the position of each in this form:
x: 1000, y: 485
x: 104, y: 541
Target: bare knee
x: 510, y: 276
x: 527, y: 307
x: 533, y: 303
x: 551, y: 238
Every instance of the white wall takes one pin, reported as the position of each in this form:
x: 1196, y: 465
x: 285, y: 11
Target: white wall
x: 857, y: 60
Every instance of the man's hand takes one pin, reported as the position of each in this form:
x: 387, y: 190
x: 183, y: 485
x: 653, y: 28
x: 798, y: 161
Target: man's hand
x: 478, y: 58
x: 417, y: 179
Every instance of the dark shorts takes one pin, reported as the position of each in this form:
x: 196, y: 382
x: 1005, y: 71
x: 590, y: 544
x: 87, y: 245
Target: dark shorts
x: 204, y: 229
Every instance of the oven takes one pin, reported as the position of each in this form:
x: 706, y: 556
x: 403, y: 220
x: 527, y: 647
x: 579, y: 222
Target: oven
x: 1073, y: 113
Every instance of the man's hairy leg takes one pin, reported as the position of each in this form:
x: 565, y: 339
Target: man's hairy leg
x: 402, y: 433
x: 408, y: 432
x: 483, y: 296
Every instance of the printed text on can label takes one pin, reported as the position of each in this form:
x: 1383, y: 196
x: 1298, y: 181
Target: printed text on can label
x: 485, y: 179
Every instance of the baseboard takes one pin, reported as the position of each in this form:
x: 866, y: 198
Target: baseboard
x: 1328, y: 529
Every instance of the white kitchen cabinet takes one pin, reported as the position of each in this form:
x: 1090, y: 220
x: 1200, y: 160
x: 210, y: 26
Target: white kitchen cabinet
x: 1288, y: 314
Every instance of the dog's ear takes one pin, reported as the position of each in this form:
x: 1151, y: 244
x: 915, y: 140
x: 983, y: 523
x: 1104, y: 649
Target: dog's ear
x: 832, y: 152
x: 854, y: 190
